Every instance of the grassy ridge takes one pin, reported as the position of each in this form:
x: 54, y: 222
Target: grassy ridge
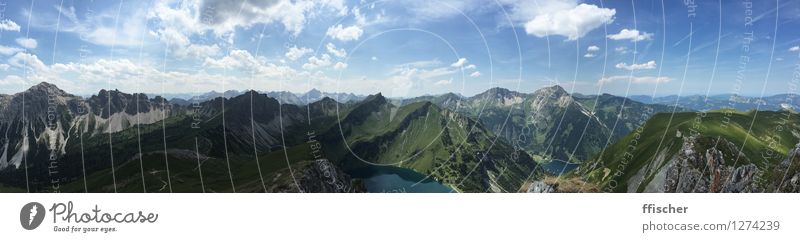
x: 451, y: 148
x: 766, y: 143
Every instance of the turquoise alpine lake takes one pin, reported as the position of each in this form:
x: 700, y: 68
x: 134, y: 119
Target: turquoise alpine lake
x: 397, y: 179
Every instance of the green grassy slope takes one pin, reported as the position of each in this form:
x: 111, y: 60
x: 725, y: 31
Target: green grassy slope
x: 448, y: 146
x: 766, y: 144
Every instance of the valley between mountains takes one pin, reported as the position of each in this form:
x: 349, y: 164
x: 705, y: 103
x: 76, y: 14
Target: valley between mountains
x: 500, y: 140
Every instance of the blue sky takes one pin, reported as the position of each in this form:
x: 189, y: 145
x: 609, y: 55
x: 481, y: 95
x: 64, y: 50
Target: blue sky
x: 401, y: 48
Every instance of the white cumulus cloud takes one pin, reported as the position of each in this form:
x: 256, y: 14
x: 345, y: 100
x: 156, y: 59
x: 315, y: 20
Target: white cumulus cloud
x: 590, y: 51
x: 224, y: 16
x: 236, y: 59
x: 314, y: 62
x: 8, y: 25
x: 197, y: 51
x: 341, y: 53
x: 794, y: 48
x: 569, y: 20
x: 631, y: 34
x: 344, y: 34
x: 25, y: 60
x: 178, y: 24
x: 137, y: 76
x: 295, y: 53
x: 182, y: 47
x: 339, y: 66
x: 28, y: 43
x: 475, y: 74
x: 6, y: 50
x: 644, y: 66
x: 459, y: 63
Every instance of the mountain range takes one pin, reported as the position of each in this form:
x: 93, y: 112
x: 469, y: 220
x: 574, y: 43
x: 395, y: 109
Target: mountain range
x: 496, y: 141
x: 725, y: 101
x: 551, y: 123
x: 311, y: 96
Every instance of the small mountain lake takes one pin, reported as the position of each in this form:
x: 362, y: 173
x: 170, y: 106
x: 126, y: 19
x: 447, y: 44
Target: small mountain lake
x: 558, y: 167
x: 397, y: 179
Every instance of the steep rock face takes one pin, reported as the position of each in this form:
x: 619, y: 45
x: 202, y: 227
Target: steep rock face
x: 318, y: 176
x: 323, y: 176
x: 251, y: 121
x: 35, y: 124
x: 114, y: 111
x: 787, y: 173
x: 560, y: 185
x: 699, y: 169
x: 542, y: 187
x: 122, y: 120
x: 107, y: 103
x: 38, y: 125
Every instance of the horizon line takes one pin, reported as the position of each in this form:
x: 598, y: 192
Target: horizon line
x: 199, y: 93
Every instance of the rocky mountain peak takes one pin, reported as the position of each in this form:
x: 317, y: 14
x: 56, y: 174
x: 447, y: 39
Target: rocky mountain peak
x: 498, y: 92
x: 313, y: 93
x: 326, y: 100
x: 555, y: 91
x: 252, y: 97
x: 451, y: 95
x: 46, y: 88
x: 36, y: 101
x: 104, y: 95
x: 700, y: 166
x: 250, y: 92
x: 377, y: 98
x: 107, y: 102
